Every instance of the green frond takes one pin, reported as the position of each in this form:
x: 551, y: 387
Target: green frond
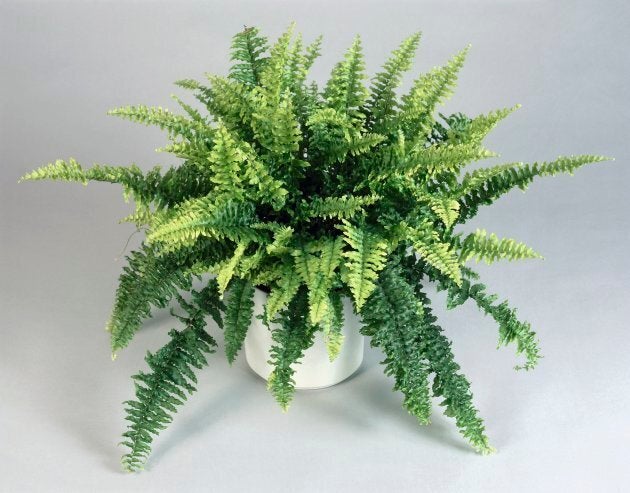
x: 345, y: 90
x: 292, y: 336
x: 484, y: 186
x: 295, y: 73
x: 202, y: 217
x: 268, y: 189
x: 448, y: 382
x: 238, y: 316
x: 142, y: 216
x: 391, y: 320
x: 383, y: 103
x: 318, y: 272
x: 249, y: 264
x: 313, y: 51
x: 332, y: 325
x: 59, y: 170
x: 232, y: 103
x: 283, y: 290
x: 362, y: 143
x: 174, y: 124
x: 480, y: 246
x: 272, y: 76
x: 209, y: 301
x: 161, y: 391
x: 192, y: 112
x: 435, y: 252
x: 227, y: 268
x: 247, y: 49
x: 225, y: 162
x: 275, y: 125
x: 480, y: 126
x: 344, y: 207
x: 267, y: 274
x: 432, y: 161
x: 334, y: 136
x: 365, y: 259
x: 189, y: 84
x: 132, y: 179
x: 427, y: 92
x: 281, y: 238
x: 445, y: 208
x: 147, y: 280
x: 511, y: 330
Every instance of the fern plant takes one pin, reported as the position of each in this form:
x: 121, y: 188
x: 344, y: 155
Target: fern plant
x: 313, y: 194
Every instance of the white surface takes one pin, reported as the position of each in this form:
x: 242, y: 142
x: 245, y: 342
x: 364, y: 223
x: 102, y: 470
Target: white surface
x: 314, y: 370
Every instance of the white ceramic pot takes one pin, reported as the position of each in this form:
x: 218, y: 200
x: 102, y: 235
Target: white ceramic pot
x: 315, y: 370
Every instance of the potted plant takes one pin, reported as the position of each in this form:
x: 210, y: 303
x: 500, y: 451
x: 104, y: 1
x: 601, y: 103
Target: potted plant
x: 316, y: 210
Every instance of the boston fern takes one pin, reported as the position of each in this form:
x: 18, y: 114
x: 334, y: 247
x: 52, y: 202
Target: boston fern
x: 313, y: 195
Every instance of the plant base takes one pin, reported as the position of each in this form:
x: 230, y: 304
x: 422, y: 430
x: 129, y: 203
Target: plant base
x: 315, y: 370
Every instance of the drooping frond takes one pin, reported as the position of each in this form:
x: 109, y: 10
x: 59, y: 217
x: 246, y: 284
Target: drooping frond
x: 283, y: 291
x: 147, y: 280
x: 365, y: 259
x: 391, y: 320
x: 317, y: 267
x: 238, y: 316
x: 332, y: 325
x: 427, y: 92
x: 248, y: 46
x: 485, y: 185
x: 449, y: 383
x: 383, y: 103
x: 511, y: 330
x: 480, y: 246
x: 168, y: 384
x: 292, y: 336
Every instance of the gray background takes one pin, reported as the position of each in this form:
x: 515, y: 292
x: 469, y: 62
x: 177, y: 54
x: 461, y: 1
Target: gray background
x: 563, y: 426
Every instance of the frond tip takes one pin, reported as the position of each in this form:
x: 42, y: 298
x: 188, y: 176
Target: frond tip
x: 166, y: 387
x: 490, y: 248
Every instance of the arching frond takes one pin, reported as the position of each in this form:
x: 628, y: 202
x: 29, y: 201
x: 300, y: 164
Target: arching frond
x: 490, y: 248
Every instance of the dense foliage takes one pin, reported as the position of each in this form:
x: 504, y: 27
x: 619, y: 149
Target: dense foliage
x: 313, y: 194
